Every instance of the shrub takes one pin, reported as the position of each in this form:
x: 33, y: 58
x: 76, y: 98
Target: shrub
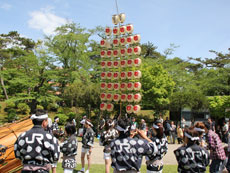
x: 40, y: 107
x: 23, y: 108
x: 62, y: 118
x: 11, y: 115
x: 71, y: 115
x: 9, y: 105
x: 52, y: 107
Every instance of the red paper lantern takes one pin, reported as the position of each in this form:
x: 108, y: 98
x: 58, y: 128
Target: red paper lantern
x: 108, y: 31
x: 137, y: 98
x: 130, y: 97
x: 116, y: 30
x: 123, y: 75
x: 129, y: 40
x: 136, y: 109
x: 103, y: 96
x: 129, y: 109
x: 109, y: 64
x: 109, y: 75
x: 115, y: 64
x: 103, y: 53
x: 110, y: 86
x: 123, y: 97
x: 130, y: 62
x: 137, y: 38
x: 103, y: 43
x: 109, y: 96
x: 130, y: 86
x: 123, y: 63
x: 103, y: 85
x: 130, y: 51
x: 122, y: 41
x: 103, y: 106
x: 122, y: 29
x: 103, y: 64
x: 137, y: 50
x: 123, y: 52
x: 137, y: 74
x: 130, y: 74
x: 116, y: 97
x: 116, y: 86
x: 137, y: 86
x: 137, y: 62
x: 116, y: 75
x: 129, y: 28
x: 115, y: 42
x: 103, y: 75
x: 109, y: 107
x: 115, y: 53
x: 123, y: 86
x: 109, y: 53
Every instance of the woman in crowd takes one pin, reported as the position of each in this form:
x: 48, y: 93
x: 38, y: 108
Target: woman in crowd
x: 155, y: 162
x: 179, y: 134
x: 69, y: 149
x: 191, y: 157
x: 200, y: 128
x: 106, y: 137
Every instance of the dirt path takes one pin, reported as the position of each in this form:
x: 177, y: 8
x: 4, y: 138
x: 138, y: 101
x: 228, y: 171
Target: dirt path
x: 97, y: 154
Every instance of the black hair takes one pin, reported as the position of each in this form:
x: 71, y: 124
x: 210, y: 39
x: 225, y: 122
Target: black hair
x: 70, y: 129
x: 207, y: 125
x: 108, y: 124
x: 124, y: 123
x: 56, y: 117
x: 39, y: 112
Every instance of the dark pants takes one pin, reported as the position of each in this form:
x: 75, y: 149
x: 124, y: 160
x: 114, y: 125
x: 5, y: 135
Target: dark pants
x: 217, y: 166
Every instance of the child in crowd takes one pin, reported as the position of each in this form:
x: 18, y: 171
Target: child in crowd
x: 69, y: 149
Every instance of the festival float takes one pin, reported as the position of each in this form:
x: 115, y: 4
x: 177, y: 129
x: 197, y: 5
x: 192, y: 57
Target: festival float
x: 120, y: 73
x: 8, y: 136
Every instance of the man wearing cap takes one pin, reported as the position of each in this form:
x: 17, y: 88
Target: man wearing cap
x: 87, y: 144
x: 37, y: 148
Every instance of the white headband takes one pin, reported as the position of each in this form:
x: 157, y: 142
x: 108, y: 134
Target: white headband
x: 111, y: 124
x: 42, y: 117
x: 155, y: 126
x: 199, y: 129
x: 190, y: 137
x: 119, y: 128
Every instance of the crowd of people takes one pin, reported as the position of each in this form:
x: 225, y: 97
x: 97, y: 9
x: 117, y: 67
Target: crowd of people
x: 125, y: 144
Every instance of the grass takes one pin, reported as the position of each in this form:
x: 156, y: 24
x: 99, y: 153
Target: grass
x: 95, y: 168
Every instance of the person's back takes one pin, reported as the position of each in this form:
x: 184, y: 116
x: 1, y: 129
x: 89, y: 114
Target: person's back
x: 192, y: 158
x: 36, y: 147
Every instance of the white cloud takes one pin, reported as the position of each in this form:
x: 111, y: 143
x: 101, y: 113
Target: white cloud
x: 5, y: 6
x: 45, y: 20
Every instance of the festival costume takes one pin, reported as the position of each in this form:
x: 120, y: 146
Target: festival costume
x: 87, y: 139
x: 192, y: 158
x: 105, y: 140
x: 37, y: 149
x: 155, y: 162
x: 127, y: 153
x: 69, y: 150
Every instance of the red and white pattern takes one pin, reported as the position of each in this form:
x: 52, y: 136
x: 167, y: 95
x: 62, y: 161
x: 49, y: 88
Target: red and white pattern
x: 103, y: 106
x: 103, y: 85
x: 129, y: 28
x: 137, y: 97
x: 136, y: 109
x: 123, y: 75
x: 137, y: 86
x: 103, y: 96
x: 130, y: 97
x: 116, y: 31
x: 103, y: 53
x: 137, y: 38
x: 129, y: 74
x: 109, y: 86
x: 116, y: 86
x: 123, y: 97
x: 130, y: 62
x: 108, y: 31
x: 130, y: 51
x: 123, y: 63
x: 103, y: 64
x: 116, y: 75
x: 129, y: 109
x: 130, y: 86
x: 109, y: 96
x: 137, y: 74
x: 137, y: 62
x: 109, y: 107
x: 115, y: 53
x: 109, y: 64
x: 137, y: 50
x: 116, y: 97
x: 103, y: 75
x: 109, y: 75
x: 123, y: 29
x: 129, y: 40
x: 123, y: 86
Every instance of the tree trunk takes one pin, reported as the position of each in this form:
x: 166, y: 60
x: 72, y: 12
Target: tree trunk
x: 3, y: 86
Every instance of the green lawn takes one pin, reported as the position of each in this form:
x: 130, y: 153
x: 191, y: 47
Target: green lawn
x: 101, y: 168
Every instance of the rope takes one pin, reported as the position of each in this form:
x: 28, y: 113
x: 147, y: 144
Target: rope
x: 117, y: 7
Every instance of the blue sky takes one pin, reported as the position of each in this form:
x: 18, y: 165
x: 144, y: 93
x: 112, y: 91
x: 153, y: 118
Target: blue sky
x: 196, y: 26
